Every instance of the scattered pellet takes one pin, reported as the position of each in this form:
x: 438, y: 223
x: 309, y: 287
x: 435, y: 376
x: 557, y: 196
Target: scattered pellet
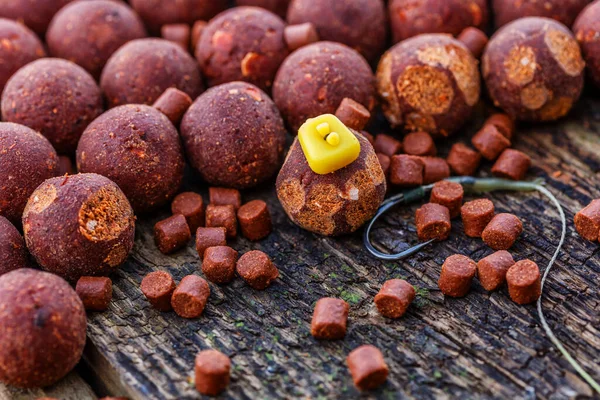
x: 191, y: 206
x: 218, y: 264
x: 449, y: 194
x: 490, y: 142
x: 211, y: 370
x: 394, y: 297
x: 197, y: 29
x: 173, y: 103
x: 474, y: 39
x: 255, y: 220
x: 220, y: 196
x: 492, y: 269
x: 158, y: 287
x: 190, y: 297
x: 512, y: 164
x: 433, y: 222
x: 209, y: 237
x: 435, y: 169
x: 587, y: 221
x: 476, y: 215
x: 385, y: 144
x: 329, y: 319
x: 95, y: 292
x: 257, y: 269
x: 177, y: 33
x: 385, y: 163
x: 367, y: 367
x: 171, y: 234
x: 406, y: 171
x: 503, y: 123
x: 502, y: 231
x: 222, y: 216
x: 463, y: 160
x: 457, y: 274
x: 419, y: 144
x: 353, y: 114
x: 524, y: 282
x: 299, y: 35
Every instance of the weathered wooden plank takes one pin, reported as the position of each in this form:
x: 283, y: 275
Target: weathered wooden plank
x: 72, y: 387
x: 482, y: 346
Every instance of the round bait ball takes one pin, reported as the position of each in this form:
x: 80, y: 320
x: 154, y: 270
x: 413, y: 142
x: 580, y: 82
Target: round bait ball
x: 19, y: 46
x: 315, y: 79
x: 278, y: 7
x: 533, y: 69
x: 42, y: 328
x: 564, y: 11
x: 35, y: 14
x: 54, y: 97
x: 234, y: 136
x: 242, y: 44
x: 138, y: 148
x: 359, y: 24
x: 157, y: 13
x: 337, y: 203
x: 428, y: 83
x: 141, y: 70
x: 26, y: 160
x: 587, y: 31
x: 79, y: 225
x: 409, y: 18
x: 89, y: 32
x: 13, y: 254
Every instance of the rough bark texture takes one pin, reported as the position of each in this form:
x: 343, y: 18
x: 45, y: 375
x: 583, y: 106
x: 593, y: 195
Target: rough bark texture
x: 478, y: 347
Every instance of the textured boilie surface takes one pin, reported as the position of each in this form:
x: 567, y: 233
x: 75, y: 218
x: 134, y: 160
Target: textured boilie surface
x: 54, y: 97
x: 89, y: 32
x: 564, y: 11
x: 138, y: 148
x: 428, y: 83
x: 141, y: 70
x: 13, y: 254
x: 242, y: 44
x: 278, y: 7
x: 35, y: 14
x: 533, y: 69
x: 336, y: 203
x: 79, y: 225
x: 234, y: 136
x: 359, y: 24
x: 157, y: 13
x: 587, y: 32
x: 42, y: 328
x: 315, y: 79
x: 26, y: 160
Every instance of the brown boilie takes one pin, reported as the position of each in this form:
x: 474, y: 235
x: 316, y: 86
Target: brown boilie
x: 587, y: 32
x: 35, y: 14
x: 278, y: 7
x: 13, y: 253
x: 564, y: 11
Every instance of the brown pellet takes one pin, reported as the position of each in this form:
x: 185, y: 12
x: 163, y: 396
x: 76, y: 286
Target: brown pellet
x: 257, y: 269
x: 490, y: 142
x: 218, y: 264
x: 449, y: 194
x: 158, y: 287
x: 367, y: 367
x: 587, y: 221
x: 476, y: 215
x: 299, y: 35
x: 173, y: 103
x: 197, y: 30
x: 394, y: 297
x: 220, y: 196
x: 433, y: 222
x: 385, y: 144
x: 503, y: 122
x: 177, y: 33
x: 463, y: 160
x: 212, y: 370
x: 353, y: 114
x: 385, y: 163
x: 209, y: 237
x: 512, y: 164
x: 95, y: 292
x: 190, y: 297
x: 419, y: 144
x: 406, y: 171
x: 191, y: 206
x: 492, y: 269
x: 255, y: 220
x: 435, y: 169
x: 457, y: 274
x: 502, y: 231
x: 474, y: 39
x: 329, y: 319
x: 172, y: 234
x: 524, y: 282
x: 222, y: 216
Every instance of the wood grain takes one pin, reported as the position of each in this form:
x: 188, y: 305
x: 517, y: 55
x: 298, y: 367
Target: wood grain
x: 481, y: 346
